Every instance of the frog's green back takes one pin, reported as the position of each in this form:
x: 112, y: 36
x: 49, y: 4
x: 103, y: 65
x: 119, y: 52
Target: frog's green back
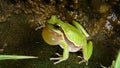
x: 72, y: 33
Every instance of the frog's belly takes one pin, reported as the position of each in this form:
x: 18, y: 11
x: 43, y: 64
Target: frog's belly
x: 71, y: 45
x: 73, y: 48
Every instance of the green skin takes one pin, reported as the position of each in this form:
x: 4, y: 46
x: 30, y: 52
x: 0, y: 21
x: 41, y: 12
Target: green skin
x: 76, y: 35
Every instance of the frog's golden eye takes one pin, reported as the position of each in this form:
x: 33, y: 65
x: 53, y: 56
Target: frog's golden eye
x: 50, y: 36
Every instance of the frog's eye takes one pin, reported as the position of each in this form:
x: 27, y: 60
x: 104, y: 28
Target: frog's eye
x: 50, y: 36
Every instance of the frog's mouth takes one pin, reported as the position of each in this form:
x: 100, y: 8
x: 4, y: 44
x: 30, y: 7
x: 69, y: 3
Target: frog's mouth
x: 71, y: 45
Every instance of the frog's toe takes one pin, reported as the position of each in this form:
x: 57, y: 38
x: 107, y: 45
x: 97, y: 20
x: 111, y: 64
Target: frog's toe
x: 83, y: 61
x: 59, y: 60
x: 57, y: 54
x: 80, y: 57
x: 55, y: 58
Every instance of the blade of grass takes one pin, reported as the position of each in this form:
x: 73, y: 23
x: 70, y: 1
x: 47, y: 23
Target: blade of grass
x: 6, y: 57
x: 117, y: 64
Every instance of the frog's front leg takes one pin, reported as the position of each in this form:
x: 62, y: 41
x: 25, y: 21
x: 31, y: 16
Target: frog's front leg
x: 87, y: 52
x: 65, y: 53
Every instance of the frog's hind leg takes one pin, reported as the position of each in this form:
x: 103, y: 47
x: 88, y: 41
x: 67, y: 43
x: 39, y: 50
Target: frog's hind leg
x: 80, y: 28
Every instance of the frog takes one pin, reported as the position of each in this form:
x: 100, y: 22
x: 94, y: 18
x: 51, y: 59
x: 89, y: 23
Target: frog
x: 70, y: 37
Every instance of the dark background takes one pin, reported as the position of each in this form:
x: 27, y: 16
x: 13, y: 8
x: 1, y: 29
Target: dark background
x: 20, y: 18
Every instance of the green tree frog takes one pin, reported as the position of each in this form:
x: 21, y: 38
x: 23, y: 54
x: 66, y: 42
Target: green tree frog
x: 71, y: 38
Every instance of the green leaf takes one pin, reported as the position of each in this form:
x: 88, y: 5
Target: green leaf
x: 117, y: 64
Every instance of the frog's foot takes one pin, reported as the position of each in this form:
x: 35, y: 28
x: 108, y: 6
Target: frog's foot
x: 82, y: 61
x: 59, y: 59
